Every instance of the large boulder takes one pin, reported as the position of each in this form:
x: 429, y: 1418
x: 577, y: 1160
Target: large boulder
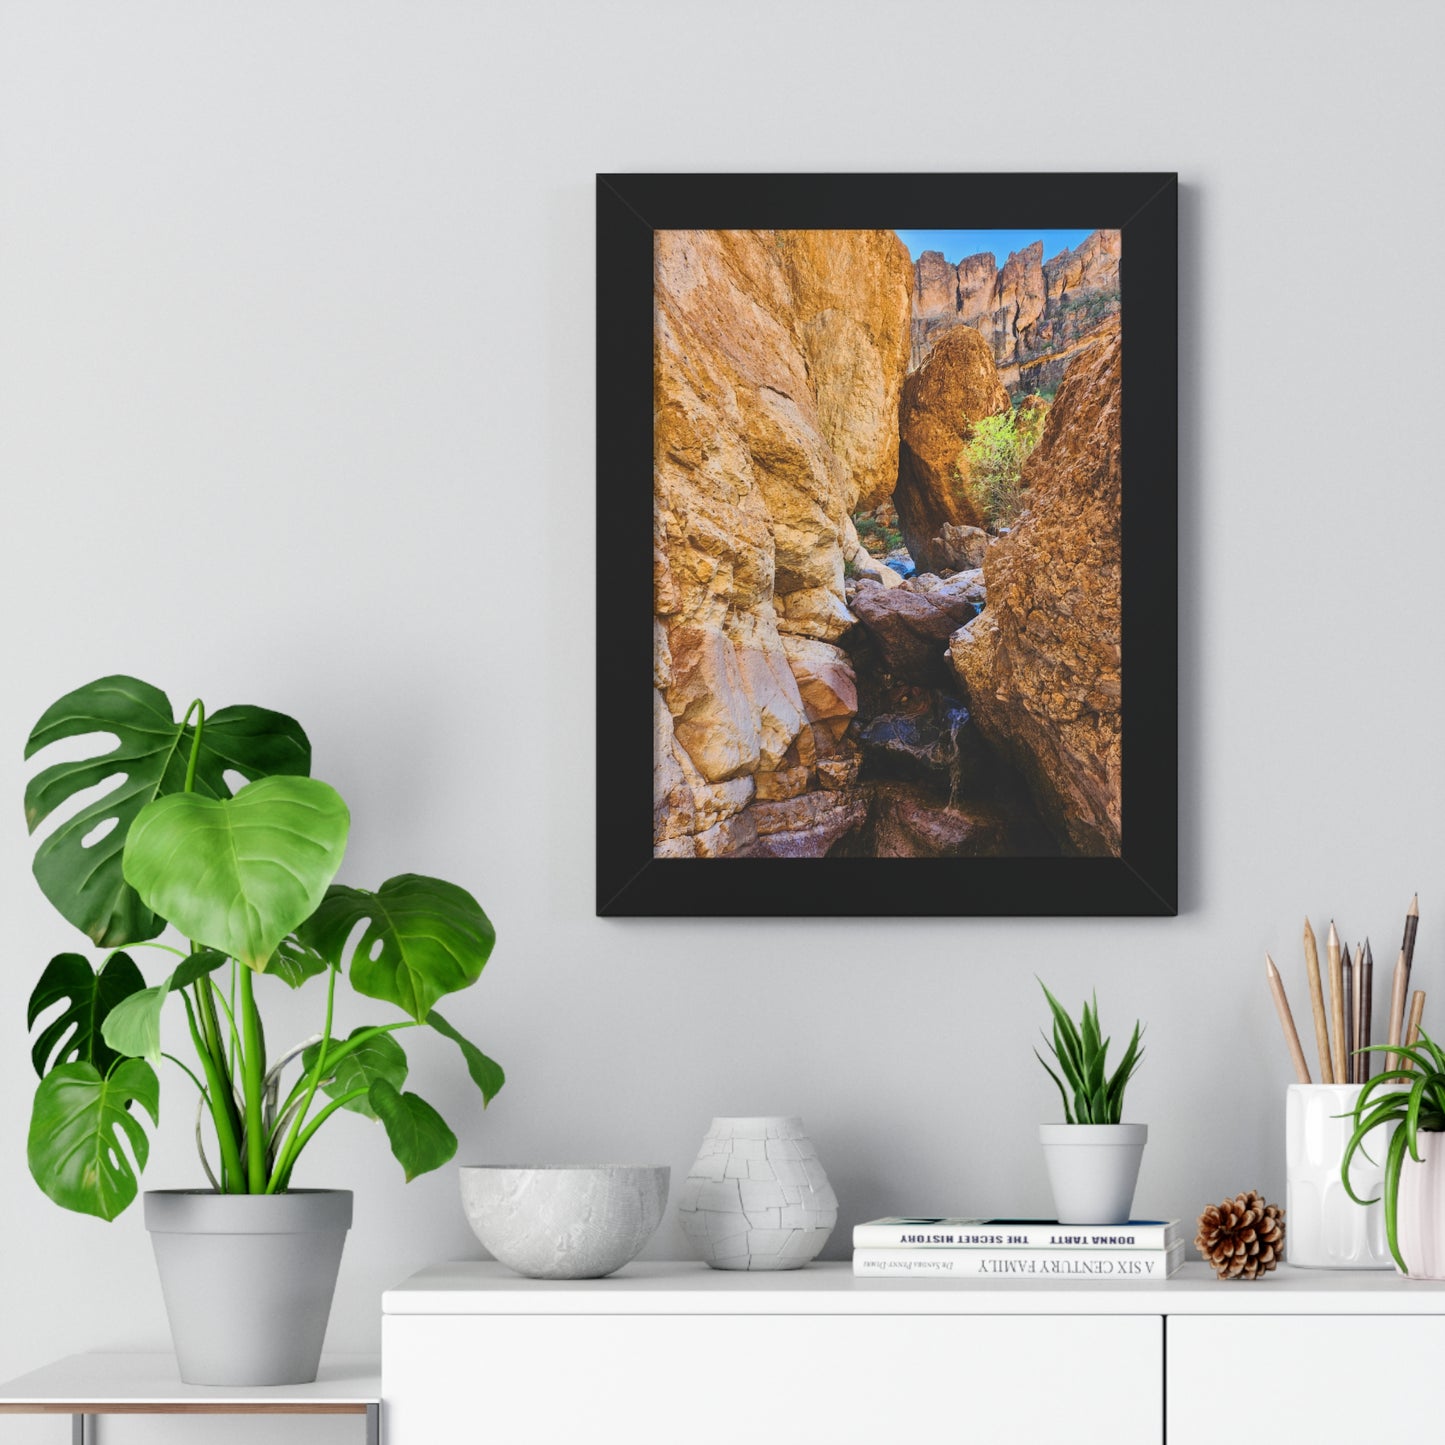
x: 911, y: 629
x: 957, y: 386
x: 778, y: 362
x: 1041, y: 664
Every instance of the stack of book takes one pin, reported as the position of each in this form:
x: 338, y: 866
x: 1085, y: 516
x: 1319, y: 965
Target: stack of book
x: 1143, y: 1249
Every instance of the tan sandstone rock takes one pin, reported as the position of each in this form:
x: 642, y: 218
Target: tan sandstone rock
x: 1041, y: 664
x: 957, y: 386
x: 778, y: 361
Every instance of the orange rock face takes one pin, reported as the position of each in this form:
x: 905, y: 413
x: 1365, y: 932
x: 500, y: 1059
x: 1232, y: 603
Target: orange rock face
x: 1033, y: 313
x: 778, y: 361
x: 1041, y: 664
x: 957, y: 386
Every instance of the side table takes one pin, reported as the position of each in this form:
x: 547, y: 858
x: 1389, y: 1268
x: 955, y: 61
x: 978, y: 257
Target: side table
x: 84, y: 1386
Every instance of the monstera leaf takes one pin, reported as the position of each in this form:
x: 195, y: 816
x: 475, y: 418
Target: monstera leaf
x: 293, y: 962
x: 239, y: 874
x: 78, y: 1128
x: 486, y: 1073
x: 152, y: 752
x: 133, y: 1028
x: 90, y: 997
x: 423, y: 939
x: 380, y: 1057
x: 418, y: 1135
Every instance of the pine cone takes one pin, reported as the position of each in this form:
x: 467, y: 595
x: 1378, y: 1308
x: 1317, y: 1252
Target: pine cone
x: 1242, y: 1237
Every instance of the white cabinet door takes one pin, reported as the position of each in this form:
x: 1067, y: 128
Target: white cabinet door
x: 806, y: 1380
x: 1303, y: 1377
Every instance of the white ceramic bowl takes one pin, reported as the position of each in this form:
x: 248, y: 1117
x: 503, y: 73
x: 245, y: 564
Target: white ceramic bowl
x: 560, y: 1222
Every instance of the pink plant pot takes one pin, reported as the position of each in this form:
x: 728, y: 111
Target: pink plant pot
x: 1420, y: 1224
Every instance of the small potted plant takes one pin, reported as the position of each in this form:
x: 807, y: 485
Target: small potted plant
x: 1408, y: 1102
x: 248, y: 1266
x: 1093, y: 1158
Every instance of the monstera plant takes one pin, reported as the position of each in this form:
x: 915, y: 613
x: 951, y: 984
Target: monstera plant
x: 246, y: 878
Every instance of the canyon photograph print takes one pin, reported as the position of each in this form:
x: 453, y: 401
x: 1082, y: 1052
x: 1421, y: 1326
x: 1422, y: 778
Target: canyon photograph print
x: 886, y: 544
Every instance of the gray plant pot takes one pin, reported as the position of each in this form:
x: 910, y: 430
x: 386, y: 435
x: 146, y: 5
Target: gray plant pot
x: 248, y: 1280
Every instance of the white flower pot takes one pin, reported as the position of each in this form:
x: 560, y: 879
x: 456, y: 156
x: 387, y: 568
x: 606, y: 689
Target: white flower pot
x: 1093, y: 1169
x: 248, y: 1280
x: 1325, y: 1228
x: 1420, y: 1224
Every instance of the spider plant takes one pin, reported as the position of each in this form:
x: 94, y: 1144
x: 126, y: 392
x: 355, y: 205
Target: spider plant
x: 1081, y: 1052
x: 1418, y: 1109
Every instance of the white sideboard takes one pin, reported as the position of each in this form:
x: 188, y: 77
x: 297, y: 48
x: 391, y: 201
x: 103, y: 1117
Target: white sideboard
x: 666, y: 1352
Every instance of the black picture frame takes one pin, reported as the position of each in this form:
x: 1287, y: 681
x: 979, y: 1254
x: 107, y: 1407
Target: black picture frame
x: 1144, y: 879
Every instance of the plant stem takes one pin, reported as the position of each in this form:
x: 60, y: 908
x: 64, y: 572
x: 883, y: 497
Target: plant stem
x: 216, y: 1050
x: 315, y: 1124
x: 317, y: 1073
x: 253, y: 1076
x: 222, y: 1117
x: 198, y: 709
x: 189, y: 1074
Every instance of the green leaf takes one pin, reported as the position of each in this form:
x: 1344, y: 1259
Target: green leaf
x: 377, y: 1057
x: 293, y: 962
x: 204, y: 961
x: 486, y: 1073
x: 419, y: 1135
x: 91, y: 996
x: 133, y: 1028
x: 424, y: 938
x: 152, y: 751
x: 239, y: 874
x: 1068, y: 1113
x: 78, y: 1129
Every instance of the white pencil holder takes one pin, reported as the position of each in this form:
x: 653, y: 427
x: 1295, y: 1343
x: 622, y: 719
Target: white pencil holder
x: 1324, y: 1227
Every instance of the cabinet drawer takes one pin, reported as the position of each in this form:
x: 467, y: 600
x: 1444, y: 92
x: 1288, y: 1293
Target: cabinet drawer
x: 807, y: 1379
x: 1303, y: 1377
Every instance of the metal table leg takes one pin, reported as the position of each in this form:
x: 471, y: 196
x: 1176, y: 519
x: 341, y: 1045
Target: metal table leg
x: 80, y: 1433
x: 373, y: 1425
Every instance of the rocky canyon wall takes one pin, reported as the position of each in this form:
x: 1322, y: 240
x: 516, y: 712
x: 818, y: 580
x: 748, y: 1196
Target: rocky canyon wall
x: 1040, y: 666
x: 779, y: 357
x: 1036, y: 315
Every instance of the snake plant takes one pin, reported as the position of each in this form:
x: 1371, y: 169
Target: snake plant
x: 1081, y: 1052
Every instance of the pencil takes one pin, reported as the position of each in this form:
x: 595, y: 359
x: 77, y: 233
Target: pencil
x: 1417, y: 1010
x: 1317, y: 1003
x: 1367, y: 1010
x: 1397, y: 1011
x: 1347, y: 992
x: 1407, y: 944
x: 1337, y: 1005
x: 1286, y: 1021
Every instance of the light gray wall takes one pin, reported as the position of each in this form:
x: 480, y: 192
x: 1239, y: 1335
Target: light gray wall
x: 296, y: 376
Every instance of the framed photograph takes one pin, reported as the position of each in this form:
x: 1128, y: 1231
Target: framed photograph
x: 909, y: 552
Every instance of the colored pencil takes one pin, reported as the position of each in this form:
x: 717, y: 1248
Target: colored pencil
x: 1337, y: 1005
x: 1286, y: 1021
x: 1347, y: 991
x: 1407, y: 943
x: 1317, y: 1003
x: 1367, y: 1010
x: 1397, y: 1012
x: 1417, y: 1012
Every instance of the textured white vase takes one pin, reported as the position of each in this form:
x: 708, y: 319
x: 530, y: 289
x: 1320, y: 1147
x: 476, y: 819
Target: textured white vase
x: 1420, y: 1224
x: 757, y: 1197
x: 1324, y: 1227
x: 1093, y: 1169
